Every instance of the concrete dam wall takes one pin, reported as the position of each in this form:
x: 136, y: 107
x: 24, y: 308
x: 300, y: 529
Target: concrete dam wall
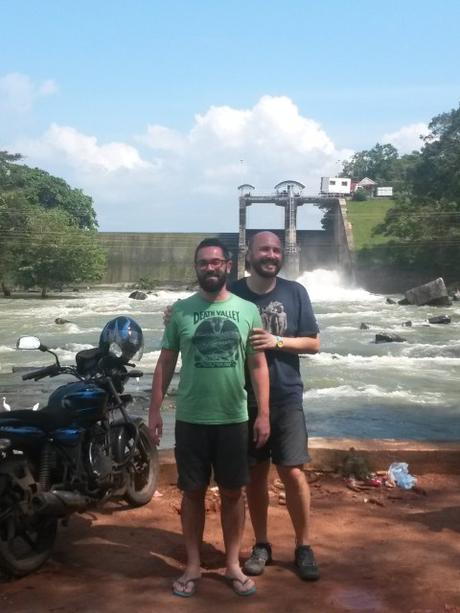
x: 167, y: 258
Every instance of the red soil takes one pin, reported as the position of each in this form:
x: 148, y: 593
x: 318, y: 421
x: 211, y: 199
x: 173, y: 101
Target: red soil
x: 397, y: 552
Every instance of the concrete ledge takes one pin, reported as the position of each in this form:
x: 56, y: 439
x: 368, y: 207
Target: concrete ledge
x: 327, y: 454
x: 422, y: 456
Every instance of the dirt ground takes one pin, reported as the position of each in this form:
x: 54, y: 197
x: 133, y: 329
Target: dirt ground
x: 379, y: 550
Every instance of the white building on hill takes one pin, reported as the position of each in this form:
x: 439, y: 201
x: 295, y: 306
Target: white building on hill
x: 336, y: 186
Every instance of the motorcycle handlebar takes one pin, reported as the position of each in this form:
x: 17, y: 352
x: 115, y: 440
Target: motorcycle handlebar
x: 135, y: 373
x: 41, y: 373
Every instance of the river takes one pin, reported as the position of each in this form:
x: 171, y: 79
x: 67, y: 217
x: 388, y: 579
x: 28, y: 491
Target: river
x: 353, y: 388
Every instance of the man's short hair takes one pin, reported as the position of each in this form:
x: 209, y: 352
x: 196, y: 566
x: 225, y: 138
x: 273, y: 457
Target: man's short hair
x: 213, y: 242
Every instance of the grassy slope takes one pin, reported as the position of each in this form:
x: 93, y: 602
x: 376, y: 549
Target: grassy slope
x: 364, y: 216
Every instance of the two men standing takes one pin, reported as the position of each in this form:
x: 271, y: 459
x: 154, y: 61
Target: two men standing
x: 216, y: 332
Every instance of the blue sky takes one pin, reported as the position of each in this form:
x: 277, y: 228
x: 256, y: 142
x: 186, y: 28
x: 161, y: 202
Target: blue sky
x: 158, y: 110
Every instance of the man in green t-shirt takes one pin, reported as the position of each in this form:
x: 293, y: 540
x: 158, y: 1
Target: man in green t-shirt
x: 211, y: 331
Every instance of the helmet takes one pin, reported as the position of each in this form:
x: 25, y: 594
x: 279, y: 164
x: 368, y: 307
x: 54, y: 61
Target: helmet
x: 122, y: 337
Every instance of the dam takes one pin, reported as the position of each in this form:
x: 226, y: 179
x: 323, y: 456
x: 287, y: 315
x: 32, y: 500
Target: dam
x: 167, y: 258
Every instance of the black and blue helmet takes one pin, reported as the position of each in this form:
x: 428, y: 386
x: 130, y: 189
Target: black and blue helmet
x: 123, y: 338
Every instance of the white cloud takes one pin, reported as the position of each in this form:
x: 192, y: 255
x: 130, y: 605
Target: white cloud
x: 223, y: 125
x: 188, y: 180
x: 407, y: 138
x: 273, y: 121
x: 18, y: 92
x: 163, y: 139
x: 82, y: 152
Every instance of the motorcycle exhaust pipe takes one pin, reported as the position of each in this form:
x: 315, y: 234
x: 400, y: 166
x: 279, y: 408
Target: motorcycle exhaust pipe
x: 59, y: 503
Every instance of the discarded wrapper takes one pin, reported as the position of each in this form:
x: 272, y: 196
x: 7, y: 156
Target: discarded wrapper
x: 399, y: 474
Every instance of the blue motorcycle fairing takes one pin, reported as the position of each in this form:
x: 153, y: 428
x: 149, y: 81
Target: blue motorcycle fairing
x: 67, y: 436
x: 20, y: 435
x: 28, y: 418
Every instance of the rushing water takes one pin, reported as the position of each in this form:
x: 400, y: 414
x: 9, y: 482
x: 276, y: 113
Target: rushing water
x: 354, y: 387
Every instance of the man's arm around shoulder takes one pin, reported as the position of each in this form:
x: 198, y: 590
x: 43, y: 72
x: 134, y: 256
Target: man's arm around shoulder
x: 162, y: 376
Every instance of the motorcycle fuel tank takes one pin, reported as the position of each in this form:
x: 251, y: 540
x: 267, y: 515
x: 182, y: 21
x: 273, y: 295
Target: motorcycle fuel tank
x: 81, y: 403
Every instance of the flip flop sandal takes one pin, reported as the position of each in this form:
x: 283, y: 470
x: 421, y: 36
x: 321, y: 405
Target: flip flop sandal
x: 184, y: 593
x: 234, y: 581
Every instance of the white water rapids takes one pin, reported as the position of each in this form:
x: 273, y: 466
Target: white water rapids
x: 354, y: 387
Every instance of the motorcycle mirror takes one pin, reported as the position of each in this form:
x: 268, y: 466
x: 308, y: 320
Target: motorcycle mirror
x: 29, y: 343
x: 4, y: 444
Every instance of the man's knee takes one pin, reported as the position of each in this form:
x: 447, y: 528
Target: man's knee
x: 258, y: 473
x: 291, y: 475
x: 195, y: 495
x: 230, y: 495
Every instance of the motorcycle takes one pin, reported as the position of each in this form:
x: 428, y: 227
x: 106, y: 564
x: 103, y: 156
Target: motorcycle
x: 80, y: 450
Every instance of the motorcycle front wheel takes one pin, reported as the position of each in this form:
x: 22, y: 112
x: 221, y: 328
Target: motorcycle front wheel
x: 143, y: 470
x: 25, y: 542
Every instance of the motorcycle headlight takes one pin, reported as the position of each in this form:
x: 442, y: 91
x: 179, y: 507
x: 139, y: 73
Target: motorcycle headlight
x: 5, y: 443
x: 116, y: 350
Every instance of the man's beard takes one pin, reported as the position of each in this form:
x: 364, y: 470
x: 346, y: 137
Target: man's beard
x: 268, y: 274
x: 212, y: 282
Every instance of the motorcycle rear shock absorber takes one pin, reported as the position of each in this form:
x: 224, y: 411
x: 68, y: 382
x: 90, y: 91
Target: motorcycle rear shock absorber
x: 45, y: 467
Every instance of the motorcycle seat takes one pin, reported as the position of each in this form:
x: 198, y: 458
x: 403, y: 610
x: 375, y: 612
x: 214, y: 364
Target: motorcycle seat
x: 27, y: 417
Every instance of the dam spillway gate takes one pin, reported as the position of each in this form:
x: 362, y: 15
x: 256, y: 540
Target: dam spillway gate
x: 289, y: 195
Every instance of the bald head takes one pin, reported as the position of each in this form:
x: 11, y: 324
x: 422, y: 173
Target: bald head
x: 264, y: 237
x: 265, y: 254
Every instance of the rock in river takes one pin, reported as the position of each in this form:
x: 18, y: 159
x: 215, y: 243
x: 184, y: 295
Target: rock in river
x: 433, y: 293
x: 439, y: 319
x: 387, y: 337
x: 137, y: 295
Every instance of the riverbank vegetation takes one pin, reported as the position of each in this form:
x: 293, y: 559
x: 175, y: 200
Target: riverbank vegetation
x: 365, y: 217
x: 422, y: 230
x: 48, y: 230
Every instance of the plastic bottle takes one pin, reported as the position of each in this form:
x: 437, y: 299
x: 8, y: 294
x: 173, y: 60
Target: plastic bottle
x: 399, y: 474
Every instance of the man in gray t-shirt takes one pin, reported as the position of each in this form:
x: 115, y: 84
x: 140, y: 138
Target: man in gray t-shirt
x: 289, y: 329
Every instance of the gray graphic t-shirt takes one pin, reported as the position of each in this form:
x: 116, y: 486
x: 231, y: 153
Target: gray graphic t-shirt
x: 285, y: 311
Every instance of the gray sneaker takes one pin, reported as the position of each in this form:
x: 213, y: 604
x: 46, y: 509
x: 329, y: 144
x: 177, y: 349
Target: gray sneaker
x: 261, y: 556
x: 307, y: 569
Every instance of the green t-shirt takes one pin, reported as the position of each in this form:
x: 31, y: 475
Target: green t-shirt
x: 213, y: 338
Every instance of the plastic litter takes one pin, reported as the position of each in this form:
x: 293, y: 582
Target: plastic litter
x: 398, y: 473
x: 374, y: 481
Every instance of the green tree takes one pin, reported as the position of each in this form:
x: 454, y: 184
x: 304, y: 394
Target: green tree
x: 360, y: 195
x: 426, y: 216
x: 58, y: 253
x: 15, y: 217
x: 437, y: 174
x: 383, y: 164
x: 378, y: 163
x: 42, y: 189
x: 6, y: 159
x: 47, y: 229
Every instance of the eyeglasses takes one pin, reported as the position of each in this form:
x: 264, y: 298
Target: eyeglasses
x: 214, y: 263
